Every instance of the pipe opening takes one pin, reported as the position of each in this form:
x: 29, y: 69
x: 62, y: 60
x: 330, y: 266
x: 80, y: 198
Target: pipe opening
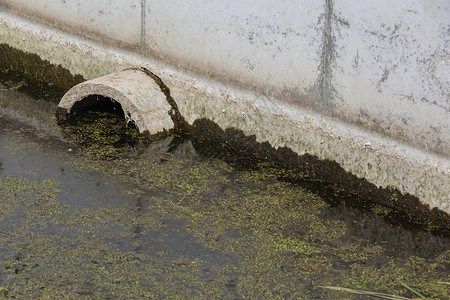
x: 101, y: 128
x: 97, y: 103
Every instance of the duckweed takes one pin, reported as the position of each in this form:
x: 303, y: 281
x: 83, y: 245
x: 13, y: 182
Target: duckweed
x: 190, y: 226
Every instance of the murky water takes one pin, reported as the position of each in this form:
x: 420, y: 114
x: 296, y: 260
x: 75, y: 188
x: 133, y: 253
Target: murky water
x: 87, y: 216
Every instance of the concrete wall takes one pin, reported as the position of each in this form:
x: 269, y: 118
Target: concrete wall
x: 281, y: 72
x: 383, y: 64
x: 110, y: 21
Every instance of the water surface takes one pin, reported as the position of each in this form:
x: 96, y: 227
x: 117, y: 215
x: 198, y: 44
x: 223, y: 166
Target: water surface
x: 87, y: 214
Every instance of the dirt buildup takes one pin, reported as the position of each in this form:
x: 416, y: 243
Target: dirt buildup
x: 39, y: 78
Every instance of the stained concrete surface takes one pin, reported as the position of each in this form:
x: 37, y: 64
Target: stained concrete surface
x: 382, y: 160
x: 108, y: 21
x: 377, y: 64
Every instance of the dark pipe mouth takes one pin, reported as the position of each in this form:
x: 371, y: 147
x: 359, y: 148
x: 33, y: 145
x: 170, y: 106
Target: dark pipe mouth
x: 97, y: 103
x: 92, y: 103
x: 97, y: 125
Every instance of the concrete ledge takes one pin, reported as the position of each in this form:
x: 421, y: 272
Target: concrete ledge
x: 383, y: 161
x: 141, y: 99
x: 379, y: 159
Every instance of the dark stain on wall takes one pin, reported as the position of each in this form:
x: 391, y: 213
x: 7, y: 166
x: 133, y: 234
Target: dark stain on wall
x: 323, y: 87
x: 143, y: 16
x: 41, y: 78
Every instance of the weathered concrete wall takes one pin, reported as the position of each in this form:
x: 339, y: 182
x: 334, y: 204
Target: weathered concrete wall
x: 381, y: 64
x: 288, y: 68
x: 392, y: 68
x: 113, y: 22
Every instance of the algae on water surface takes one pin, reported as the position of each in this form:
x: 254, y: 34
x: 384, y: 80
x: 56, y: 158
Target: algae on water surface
x: 167, y: 221
x: 99, y: 212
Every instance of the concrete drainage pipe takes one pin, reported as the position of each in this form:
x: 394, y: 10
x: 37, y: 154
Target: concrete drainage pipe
x: 138, y: 91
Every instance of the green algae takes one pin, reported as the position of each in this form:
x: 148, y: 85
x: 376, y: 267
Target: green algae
x: 262, y: 234
x: 323, y: 177
x: 102, y: 132
x: 77, y: 261
x: 286, y: 248
x: 283, y: 245
x: 36, y: 197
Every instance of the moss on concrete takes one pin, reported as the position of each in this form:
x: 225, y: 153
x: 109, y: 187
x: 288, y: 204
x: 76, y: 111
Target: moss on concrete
x: 392, y: 163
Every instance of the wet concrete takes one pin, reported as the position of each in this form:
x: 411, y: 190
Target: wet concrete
x: 85, y: 217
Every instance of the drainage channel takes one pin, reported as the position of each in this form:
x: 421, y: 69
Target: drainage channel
x: 91, y: 209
